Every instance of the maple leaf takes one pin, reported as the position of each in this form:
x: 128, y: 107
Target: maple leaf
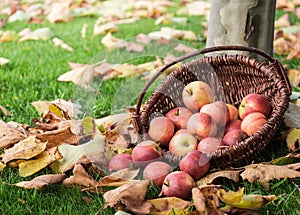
x: 40, y: 181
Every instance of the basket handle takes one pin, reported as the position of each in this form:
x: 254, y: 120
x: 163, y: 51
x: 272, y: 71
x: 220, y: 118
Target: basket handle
x: 204, y: 51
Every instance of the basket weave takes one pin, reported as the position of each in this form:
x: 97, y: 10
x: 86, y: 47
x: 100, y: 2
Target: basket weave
x: 238, y: 76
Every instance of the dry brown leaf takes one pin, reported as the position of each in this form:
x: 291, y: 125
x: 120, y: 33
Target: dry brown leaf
x: 3, y: 61
x: 111, y: 42
x: 134, y: 47
x: 9, y: 135
x: 183, y: 48
x: 59, y: 12
x: 265, y: 173
x: 292, y: 116
x: 131, y: 195
x: 25, y: 149
x: 294, y: 77
x: 118, y: 178
x: 57, y: 137
x: 62, y: 44
x: 80, y: 178
x: 283, y: 21
x: 293, y: 139
x: 230, y: 174
x: 240, y: 211
x: 38, y: 34
x: 40, y: 181
x: 295, y: 52
x: 29, y: 167
x: 206, y: 200
x: 167, y: 205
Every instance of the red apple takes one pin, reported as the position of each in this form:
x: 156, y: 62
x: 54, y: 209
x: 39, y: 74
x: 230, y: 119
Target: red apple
x: 233, y: 112
x: 254, y: 103
x: 218, y: 110
x: 179, y: 116
x: 157, y: 171
x: 202, y: 124
x: 195, y: 163
x: 182, y: 143
x: 233, y: 124
x: 233, y: 137
x: 253, y: 122
x: 209, y: 145
x: 145, y: 152
x: 178, y: 184
x: 120, y: 161
x: 161, y: 130
x: 196, y: 94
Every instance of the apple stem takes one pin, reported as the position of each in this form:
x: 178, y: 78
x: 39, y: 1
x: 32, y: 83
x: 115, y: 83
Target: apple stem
x: 177, y: 112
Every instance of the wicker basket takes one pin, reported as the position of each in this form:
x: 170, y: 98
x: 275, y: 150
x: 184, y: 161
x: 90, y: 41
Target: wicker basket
x: 232, y: 77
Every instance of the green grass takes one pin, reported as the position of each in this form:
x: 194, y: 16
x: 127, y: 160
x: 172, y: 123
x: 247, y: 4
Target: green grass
x: 32, y: 75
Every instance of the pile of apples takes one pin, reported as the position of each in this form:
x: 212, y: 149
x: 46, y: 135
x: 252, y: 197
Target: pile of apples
x: 193, y: 132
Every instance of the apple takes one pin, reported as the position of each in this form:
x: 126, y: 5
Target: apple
x: 218, y: 110
x: 161, y: 130
x: 157, y: 171
x: 178, y: 184
x: 179, y: 116
x: 253, y: 122
x: 120, y: 161
x: 196, y: 94
x: 233, y: 112
x: 182, y: 143
x: 209, y: 145
x: 202, y: 125
x: 233, y: 137
x: 233, y: 124
x: 145, y: 152
x: 195, y: 163
x: 254, y: 103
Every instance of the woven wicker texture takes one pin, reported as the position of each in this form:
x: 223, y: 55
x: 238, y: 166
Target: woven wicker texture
x: 231, y: 77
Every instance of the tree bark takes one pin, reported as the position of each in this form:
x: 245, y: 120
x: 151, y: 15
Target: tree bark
x: 242, y: 22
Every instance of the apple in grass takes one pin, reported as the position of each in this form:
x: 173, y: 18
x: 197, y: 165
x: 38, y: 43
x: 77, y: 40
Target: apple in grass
x: 196, y: 94
x: 161, y: 130
x: 233, y: 124
x: 233, y: 137
x: 209, y: 145
x: 120, y: 161
x: 178, y: 184
x: 202, y: 125
x: 179, y: 116
x: 156, y: 171
x: 253, y: 122
x: 219, y: 111
x: 182, y: 143
x: 254, y: 103
x: 233, y: 112
x: 145, y: 152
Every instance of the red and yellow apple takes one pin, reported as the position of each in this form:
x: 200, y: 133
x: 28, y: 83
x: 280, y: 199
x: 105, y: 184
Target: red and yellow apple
x: 145, y: 152
x: 178, y: 184
x: 157, y: 171
x: 195, y: 163
x: 254, y: 103
x: 120, y: 161
x: 182, y: 143
x: 218, y: 110
x: 179, y: 116
x: 161, y: 130
x: 196, y: 94
x: 253, y: 122
x: 233, y: 112
x: 202, y: 125
x: 209, y: 145
x: 234, y: 136
x: 233, y: 124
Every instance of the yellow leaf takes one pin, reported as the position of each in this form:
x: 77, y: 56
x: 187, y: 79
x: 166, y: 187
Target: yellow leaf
x: 293, y: 139
x: 240, y: 200
x: 2, y: 166
x: 27, y: 168
x: 25, y: 149
x: 168, y: 205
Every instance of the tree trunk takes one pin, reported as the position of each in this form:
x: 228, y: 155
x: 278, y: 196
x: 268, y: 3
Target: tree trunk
x: 242, y: 22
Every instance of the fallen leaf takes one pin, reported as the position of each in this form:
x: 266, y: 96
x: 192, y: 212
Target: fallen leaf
x: 59, y: 12
x: 167, y: 205
x: 240, y: 200
x: 25, y: 149
x: 80, y: 178
x: 293, y: 139
x: 40, y: 181
x: 8, y: 36
x: 131, y: 195
x: 38, y: 34
x: 265, y: 173
x: 283, y: 21
x: 196, y: 8
x: 104, y: 28
x: 9, y: 135
x: 83, y: 30
x: 171, y: 33
x: 229, y: 174
x: 183, y: 48
x: 3, y: 110
x: 29, y: 167
x: 19, y: 15
x: 111, y: 42
x: 134, y: 47
x: 294, y: 77
x: 62, y: 44
x: 292, y: 116
x: 59, y: 136
x: 240, y: 211
x: 92, y: 150
x: 2, y: 166
x: 3, y: 61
